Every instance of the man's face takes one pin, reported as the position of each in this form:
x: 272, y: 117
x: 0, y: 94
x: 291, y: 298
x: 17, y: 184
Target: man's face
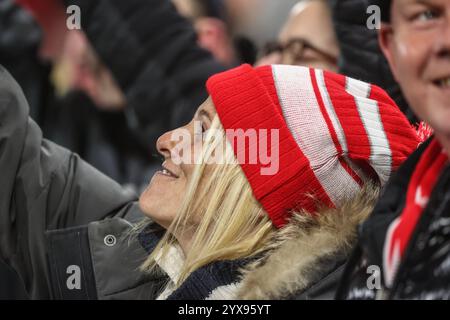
x: 310, y: 22
x: 417, y: 45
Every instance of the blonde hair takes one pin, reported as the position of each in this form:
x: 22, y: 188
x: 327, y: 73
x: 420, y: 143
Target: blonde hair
x: 233, y: 225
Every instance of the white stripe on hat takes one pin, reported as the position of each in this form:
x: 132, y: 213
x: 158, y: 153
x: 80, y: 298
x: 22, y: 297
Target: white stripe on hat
x: 304, y: 118
x: 330, y: 110
x: 380, y: 152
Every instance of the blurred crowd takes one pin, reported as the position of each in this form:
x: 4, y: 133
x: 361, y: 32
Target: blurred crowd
x: 109, y: 90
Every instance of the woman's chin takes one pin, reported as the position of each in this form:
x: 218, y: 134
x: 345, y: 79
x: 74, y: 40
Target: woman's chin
x: 156, y: 206
x: 153, y: 212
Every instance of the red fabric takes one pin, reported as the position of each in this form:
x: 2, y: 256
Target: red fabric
x: 424, y: 131
x: 347, y: 112
x: 401, y: 135
x: 425, y: 176
x: 44, y: 10
x: 51, y: 16
x: 246, y: 98
x: 396, y: 126
x: 338, y: 146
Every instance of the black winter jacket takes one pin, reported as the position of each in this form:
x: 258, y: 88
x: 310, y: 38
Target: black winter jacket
x: 152, y: 53
x: 20, y: 38
x: 424, y: 272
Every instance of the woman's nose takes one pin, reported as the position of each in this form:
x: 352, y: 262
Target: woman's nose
x: 164, y: 144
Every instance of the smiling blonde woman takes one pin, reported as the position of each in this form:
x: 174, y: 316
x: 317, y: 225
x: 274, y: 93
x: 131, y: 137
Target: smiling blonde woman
x: 225, y: 230
x: 337, y: 145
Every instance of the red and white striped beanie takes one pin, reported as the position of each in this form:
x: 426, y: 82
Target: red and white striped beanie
x: 334, y: 132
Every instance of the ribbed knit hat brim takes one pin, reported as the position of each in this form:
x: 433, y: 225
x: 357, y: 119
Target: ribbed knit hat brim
x: 334, y: 132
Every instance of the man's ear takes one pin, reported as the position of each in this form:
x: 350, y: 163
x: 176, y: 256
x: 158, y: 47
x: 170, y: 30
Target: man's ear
x: 386, y: 42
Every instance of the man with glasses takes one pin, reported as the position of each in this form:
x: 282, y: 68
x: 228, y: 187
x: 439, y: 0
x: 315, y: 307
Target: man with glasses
x: 307, y: 38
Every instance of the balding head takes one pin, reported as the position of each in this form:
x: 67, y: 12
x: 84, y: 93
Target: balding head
x: 310, y: 20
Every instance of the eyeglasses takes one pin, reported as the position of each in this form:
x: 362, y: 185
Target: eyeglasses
x: 296, y: 49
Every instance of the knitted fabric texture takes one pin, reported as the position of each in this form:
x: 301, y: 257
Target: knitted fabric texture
x: 432, y: 163
x: 333, y: 133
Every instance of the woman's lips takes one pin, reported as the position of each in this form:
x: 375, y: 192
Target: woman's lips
x: 167, y: 172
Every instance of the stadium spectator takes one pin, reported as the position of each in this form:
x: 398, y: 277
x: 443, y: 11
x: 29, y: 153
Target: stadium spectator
x: 407, y: 236
x: 307, y: 39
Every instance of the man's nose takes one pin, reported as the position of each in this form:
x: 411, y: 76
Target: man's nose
x: 442, y: 44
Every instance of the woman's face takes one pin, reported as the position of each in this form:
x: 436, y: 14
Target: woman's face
x: 162, y: 199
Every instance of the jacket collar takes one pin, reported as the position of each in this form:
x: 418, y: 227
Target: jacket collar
x: 218, y: 280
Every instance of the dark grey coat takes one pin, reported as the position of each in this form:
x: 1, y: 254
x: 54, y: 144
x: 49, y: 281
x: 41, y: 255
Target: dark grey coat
x: 49, y: 202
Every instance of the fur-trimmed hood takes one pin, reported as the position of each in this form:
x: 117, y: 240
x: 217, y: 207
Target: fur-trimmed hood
x: 306, y: 250
x: 303, y: 261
